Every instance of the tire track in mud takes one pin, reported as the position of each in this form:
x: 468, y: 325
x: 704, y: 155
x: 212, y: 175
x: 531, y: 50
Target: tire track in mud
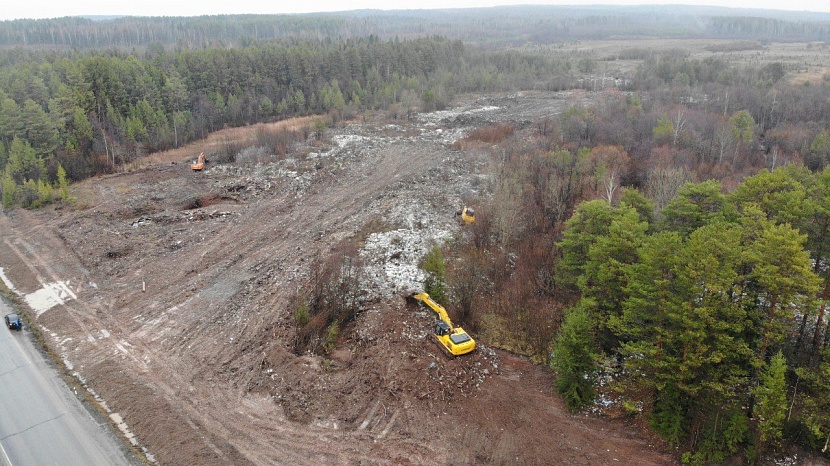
x: 45, y: 276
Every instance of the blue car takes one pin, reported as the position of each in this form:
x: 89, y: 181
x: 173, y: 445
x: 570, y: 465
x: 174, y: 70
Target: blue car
x: 13, y: 322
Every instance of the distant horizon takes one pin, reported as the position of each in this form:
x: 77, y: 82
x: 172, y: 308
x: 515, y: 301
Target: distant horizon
x: 49, y: 9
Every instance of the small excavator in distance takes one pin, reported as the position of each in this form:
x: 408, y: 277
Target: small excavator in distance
x: 453, y: 339
x: 199, y: 164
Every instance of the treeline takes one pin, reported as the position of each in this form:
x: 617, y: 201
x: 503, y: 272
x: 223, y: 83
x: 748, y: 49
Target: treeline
x: 100, y: 110
x: 182, y: 32
x: 498, y: 26
x: 91, y: 112
x: 768, y: 28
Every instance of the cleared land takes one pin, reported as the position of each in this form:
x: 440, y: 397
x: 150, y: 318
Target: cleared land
x: 167, y: 293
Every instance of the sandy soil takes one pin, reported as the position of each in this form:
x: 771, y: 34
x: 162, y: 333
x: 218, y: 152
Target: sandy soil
x: 166, y: 291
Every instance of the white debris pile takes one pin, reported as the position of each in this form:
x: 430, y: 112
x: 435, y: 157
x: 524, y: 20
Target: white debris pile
x: 448, y: 116
x: 787, y: 461
x: 610, y: 371
x: 454, y: 123
x: 263, y: 178
x: 342, y: 141
x: 391, y: 259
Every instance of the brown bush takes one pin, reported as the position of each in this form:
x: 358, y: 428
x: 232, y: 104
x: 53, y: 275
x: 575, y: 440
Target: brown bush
x: 493, y: 134
x: 279, y: 141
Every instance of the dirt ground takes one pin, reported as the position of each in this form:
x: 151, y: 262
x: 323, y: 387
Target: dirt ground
x: 166, y: 292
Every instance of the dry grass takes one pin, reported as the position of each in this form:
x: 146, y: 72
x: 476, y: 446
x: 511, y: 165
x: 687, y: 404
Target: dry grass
x: 217, y: 140
x: 489, y: 135
x: 493, y: 134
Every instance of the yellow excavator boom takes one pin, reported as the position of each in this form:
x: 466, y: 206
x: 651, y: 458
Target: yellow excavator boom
x: 439, y: 309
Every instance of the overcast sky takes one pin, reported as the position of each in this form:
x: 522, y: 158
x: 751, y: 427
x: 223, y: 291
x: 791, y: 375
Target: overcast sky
x: 14, y: 9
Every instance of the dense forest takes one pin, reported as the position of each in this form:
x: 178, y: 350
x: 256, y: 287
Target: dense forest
x: 666, y: 234
x: 493, y: 27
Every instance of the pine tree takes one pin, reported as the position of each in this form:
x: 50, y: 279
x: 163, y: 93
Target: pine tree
x: 695, y: 205
x: 783, y: 273
x: 63, y: 183
x: 39, y: 129
x: 742, y: 126
x: 663, y: 132
x: 781, y: 194
x: 573, y: 359
x: 9, y: 190
x: 435, y: 267
x: 771, y: 403
x: 643, y: 205
x: 606, y: 276
x: 588, y: 223
x: 816, y: 401
x: 24, y: 163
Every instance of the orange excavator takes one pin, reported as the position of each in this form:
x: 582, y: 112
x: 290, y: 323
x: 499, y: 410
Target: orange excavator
x: 199, y: 164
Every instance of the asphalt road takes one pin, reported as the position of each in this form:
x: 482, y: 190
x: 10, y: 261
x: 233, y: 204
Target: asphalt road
x: 41, y: 422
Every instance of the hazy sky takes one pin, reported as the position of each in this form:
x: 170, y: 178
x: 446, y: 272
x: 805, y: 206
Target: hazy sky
x: 14, y: 9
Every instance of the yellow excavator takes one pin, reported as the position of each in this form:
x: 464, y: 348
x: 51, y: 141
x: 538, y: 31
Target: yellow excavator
x: 199, y: 164
x: 467, y: 214
x: 453, y: 339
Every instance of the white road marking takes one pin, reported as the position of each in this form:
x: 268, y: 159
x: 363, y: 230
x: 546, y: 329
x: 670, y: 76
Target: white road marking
x: 3, y: 450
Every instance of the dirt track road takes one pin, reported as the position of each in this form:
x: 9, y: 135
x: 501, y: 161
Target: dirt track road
x: 176, y: 314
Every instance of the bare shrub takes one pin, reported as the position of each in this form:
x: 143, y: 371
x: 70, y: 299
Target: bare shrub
x: 467, y: 279
x: 279, y: 141
x: 253, y: 155
x: 227, y: 154
x: 328, y: 301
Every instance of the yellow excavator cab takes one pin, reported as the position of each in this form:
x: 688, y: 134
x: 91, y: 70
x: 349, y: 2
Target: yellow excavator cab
x: 199, y: 164
x: 454, y: 340
x: 468, y: 215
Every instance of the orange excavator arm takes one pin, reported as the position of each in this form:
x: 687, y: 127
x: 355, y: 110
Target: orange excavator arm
x: 200, y: 163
